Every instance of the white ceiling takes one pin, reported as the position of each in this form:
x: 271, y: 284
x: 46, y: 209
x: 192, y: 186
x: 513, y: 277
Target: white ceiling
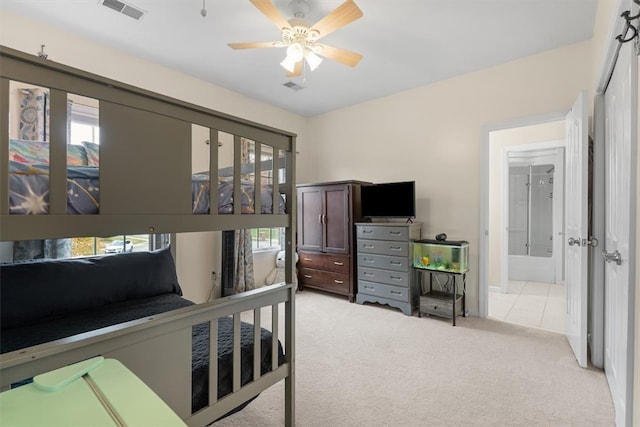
x: 405, y: 43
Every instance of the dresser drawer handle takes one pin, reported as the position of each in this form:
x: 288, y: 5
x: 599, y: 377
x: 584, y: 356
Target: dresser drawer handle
x: 395, y: 263
x: 395, y: 248
x: 366, y: 273
x: 395, y: 278
x: 368, y: 246
x: 339, y: 282
x: 369, y: 287
x: 307, y: 276
x: 396, y: 293
x: 369, y: 260
x: 395, y: 233
x: 367, y: 231
x: 338, y: 263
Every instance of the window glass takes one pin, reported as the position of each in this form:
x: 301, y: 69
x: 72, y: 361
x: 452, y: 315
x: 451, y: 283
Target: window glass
x: 89, y: 246
x: 267, y: 238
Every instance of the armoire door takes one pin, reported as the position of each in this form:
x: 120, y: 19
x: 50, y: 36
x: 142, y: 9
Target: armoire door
x: 310, y: 218
x: 337, y: 233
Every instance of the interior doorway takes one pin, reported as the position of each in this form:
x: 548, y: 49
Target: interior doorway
x: 521, y: 242
x: 533, y: 213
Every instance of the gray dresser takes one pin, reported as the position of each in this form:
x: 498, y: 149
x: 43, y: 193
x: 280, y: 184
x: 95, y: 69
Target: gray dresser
x: 384, y: 255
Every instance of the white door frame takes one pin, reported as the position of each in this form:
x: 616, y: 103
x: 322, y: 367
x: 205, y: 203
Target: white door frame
x: 483, y: 264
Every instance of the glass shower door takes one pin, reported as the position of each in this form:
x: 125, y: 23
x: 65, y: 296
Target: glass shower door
x: 531, y: 210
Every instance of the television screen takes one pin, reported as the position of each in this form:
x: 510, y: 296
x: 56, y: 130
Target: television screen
x: 389, y: 200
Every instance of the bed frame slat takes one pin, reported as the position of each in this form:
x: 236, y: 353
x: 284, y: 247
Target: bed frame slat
x: 58, y: 153
x: 276, y: 176
x: 4, y: 147
x: 213, y: 168
x: 237, y: 169
x: 257, y: 181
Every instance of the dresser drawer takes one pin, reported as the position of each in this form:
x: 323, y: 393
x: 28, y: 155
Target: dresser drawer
x: 322, y: 261
x: 382, y: 232
x: 383, y: 247
x: 440, y: 304
x: 384, y: 291
x: 384, y: 261
x: 330, y: 281
x: 396, y: 278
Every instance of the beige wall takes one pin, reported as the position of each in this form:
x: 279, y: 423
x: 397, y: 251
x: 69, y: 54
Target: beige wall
x: 498, y: 141
x: 198, y: 255
x: 433, y: 135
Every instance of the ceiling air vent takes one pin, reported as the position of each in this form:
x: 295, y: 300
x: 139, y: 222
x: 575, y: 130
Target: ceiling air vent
x: 124, y: 8
x: 294, y: 86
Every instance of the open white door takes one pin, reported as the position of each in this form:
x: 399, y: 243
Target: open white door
x: 577, y: 249
x: 618, y: 248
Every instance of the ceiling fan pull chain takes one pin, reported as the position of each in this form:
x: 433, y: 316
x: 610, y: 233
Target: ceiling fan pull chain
x: 203, y: 12
x: 304, y: 72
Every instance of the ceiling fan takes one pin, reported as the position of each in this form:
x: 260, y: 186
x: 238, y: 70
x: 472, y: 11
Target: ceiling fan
x: 301, y: 38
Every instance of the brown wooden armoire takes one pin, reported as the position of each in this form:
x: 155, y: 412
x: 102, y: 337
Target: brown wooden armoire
x: 327, y: 213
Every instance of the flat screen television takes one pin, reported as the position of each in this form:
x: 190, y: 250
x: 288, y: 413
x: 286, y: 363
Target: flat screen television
x: 389, y: 200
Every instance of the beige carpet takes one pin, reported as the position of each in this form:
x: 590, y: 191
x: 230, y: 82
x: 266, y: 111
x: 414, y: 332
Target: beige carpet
x: 370, y: 365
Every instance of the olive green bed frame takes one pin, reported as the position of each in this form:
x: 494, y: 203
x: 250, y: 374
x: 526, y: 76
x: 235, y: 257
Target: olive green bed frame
x: 133, y: 123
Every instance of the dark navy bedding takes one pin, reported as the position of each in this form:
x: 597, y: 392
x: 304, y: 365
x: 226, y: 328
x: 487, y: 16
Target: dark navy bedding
x: 29, y: 191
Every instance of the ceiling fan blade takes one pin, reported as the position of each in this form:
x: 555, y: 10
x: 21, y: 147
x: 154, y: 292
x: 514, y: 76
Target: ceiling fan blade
x: 297, y: 71
x: 343, y: 56
x: 272, y: 12
x: 344, y: 14
x: 254, y: 45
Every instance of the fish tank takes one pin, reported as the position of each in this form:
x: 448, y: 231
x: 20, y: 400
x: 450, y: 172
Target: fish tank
x: 441, y: 255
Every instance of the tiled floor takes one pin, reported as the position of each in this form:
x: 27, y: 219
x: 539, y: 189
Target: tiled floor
x: 533, y: 304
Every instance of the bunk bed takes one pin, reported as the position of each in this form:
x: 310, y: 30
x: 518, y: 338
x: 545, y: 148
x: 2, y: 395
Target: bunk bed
x: 158, y: 196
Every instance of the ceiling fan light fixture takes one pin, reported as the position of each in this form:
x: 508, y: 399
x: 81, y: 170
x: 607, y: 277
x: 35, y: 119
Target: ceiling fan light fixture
x: 301, y: 37
x: 289, y: 64
x: 312, y: 59
x: 295, y: 53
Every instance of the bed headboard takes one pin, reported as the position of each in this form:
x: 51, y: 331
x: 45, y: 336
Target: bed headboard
x: 145, y: 159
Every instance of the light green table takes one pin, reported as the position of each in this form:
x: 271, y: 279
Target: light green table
x: 96, y: 392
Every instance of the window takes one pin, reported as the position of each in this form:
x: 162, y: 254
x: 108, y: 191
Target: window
x: 267, y: 238
x: 89, y: 246
x: 83, y: 120
x: 79, y: 132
